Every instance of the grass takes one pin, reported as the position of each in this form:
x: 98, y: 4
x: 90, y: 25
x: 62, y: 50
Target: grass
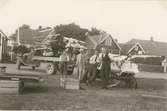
x: 48, y: 96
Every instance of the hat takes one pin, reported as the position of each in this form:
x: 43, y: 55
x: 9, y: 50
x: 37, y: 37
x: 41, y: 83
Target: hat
x: 81, y: 50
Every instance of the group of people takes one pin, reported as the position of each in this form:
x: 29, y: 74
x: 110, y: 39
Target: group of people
x: 89, y: 67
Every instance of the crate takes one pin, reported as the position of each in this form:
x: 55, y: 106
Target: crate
x: 69, y: 83
x: 11, y: 87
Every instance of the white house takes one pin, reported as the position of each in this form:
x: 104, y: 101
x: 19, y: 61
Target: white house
x: 3, y: 45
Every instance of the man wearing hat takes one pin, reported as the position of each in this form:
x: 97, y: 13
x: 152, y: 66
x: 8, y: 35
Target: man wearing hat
x: 80, y: 63
x: 63, y: 64
x: 93, y: 66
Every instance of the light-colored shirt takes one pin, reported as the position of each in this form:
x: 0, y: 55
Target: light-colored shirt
x: 101, y: 55
x: 81, y: 60
x: 94, y: 59
x: 64, y: 57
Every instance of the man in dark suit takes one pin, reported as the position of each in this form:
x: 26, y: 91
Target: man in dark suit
x: 105, y: 68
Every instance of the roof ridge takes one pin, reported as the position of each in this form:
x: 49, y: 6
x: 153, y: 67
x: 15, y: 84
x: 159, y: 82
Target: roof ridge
x: 134, y: 39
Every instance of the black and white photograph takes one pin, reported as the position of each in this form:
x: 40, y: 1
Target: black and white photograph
x: 83, y: 55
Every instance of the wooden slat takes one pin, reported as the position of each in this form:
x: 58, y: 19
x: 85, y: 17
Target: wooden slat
x: 21, y: 77
x: 69, y: 83
x: 68, y: 86
x: 51, y: 59
x: 9, y: 90
x: 9, y: 84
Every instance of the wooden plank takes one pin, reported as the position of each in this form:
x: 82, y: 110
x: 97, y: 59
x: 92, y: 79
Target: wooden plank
x: 10, y: 87
x: 51, y: 59
x: 9, y: 90
x: 154, y: 96
x: 9, y: 84
x: 21, y: 77
x: 7, y: 81
x: 69, y: 83
x: 69, y: 86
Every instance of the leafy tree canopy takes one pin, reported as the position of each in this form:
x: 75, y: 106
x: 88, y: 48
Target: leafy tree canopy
x: 71, y: 30
x: 94, y: 31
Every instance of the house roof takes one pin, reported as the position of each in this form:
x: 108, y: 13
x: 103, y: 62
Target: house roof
x: 127, y: 48
x: 151, y: 47
x: 3, y: 34
x: 100, y: 38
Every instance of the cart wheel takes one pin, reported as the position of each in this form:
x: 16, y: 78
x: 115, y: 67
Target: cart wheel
x: 133, y: 82
x: 33, y: 67
x: 50, y: 69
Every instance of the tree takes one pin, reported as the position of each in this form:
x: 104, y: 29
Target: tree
x: 71, y: 30
x: 26, y: 34
x: 25, y: 26
x: 94, y: 31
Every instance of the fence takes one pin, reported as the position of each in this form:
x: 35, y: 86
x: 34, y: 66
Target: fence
x: 150, y: 68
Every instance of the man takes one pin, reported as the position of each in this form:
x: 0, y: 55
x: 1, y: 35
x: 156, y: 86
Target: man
x: 80, y: 63
x: 93, y: 67
x: 105, y: 67
x: 87, y: 67
x: 63, y: 64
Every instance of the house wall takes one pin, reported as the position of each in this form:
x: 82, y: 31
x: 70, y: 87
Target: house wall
x: 107, y: 43
x: 3, y: 46
x: 90, y: 44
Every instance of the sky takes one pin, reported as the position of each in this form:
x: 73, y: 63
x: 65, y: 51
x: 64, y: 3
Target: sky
x: 123, y: 19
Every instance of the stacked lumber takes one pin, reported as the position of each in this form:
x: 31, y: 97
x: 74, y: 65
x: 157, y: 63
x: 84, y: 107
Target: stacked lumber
x: 69, y: 83
x: 10, y: 87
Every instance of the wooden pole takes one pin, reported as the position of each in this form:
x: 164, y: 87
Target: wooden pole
x: 18, y: 36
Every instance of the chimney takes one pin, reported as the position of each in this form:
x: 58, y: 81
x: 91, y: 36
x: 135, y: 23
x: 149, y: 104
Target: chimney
x: 40, y: 27
x: 152, y: 39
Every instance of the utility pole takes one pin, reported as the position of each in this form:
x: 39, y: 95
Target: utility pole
x: 18, y: 36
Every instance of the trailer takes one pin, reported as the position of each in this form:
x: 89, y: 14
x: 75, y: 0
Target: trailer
x: 50, y: 54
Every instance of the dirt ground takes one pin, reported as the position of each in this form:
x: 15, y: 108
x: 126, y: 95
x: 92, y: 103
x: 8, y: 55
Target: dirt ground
x: 48, y: 95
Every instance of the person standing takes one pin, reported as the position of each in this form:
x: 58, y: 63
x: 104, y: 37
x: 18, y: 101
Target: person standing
x: 63, y: 63
x: 80, y: 63
x: 105, y: 68
x: 93, y: 67
x: 87, y: 68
